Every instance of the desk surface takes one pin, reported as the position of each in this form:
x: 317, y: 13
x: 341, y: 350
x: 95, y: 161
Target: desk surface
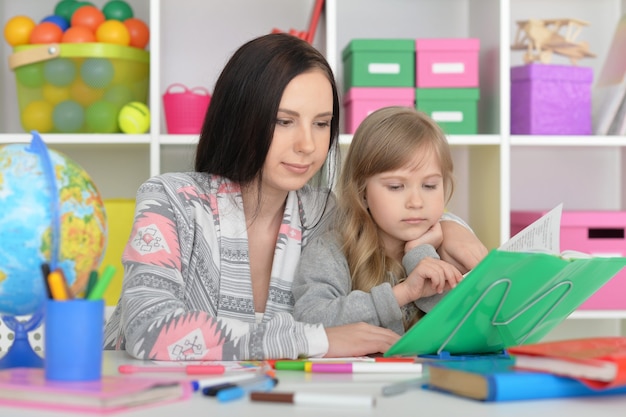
x: 424, y: 403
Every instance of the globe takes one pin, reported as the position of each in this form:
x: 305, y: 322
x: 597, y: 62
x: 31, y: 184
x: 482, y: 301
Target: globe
x: 31, y: 210
x: 50, y: 213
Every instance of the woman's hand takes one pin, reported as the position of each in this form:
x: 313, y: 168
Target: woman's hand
x: 431, y: 276
x: 460, y: 246
x: 358, y: 339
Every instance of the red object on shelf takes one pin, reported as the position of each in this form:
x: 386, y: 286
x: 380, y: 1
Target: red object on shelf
x: 315, y: 17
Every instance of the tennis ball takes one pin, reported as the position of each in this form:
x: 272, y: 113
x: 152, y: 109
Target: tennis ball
x: 134, y: 118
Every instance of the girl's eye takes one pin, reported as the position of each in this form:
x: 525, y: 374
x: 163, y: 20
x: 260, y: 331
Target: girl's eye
x: 430, y: 186
x: 394, y: 187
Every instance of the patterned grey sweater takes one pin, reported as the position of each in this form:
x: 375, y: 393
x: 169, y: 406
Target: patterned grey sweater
x: 187, y: 293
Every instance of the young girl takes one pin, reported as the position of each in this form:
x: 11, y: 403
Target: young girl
x: 381, y: 256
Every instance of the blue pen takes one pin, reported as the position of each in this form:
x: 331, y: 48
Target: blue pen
x: 261, y: 383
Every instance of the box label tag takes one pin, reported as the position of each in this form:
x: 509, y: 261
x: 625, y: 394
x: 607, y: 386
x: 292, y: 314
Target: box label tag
x: 379, y: 68
x: 448, y: 68
x: 447, y: 116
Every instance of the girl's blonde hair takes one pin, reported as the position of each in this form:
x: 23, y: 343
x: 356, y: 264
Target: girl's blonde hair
x: 386, y: 140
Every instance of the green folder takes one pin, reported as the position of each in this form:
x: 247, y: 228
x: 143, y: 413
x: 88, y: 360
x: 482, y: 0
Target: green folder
x: 509, y: 299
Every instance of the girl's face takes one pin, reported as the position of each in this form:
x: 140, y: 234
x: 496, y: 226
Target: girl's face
x: 406, y: 202
x: 302, y: 134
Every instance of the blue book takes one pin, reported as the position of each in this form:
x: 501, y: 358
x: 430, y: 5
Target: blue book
x: 496, y: 380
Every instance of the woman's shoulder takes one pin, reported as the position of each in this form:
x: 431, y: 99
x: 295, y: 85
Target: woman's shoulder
x: 174, y: 181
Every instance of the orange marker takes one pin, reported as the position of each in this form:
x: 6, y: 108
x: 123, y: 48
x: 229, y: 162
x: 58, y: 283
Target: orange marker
x: 58, y: 286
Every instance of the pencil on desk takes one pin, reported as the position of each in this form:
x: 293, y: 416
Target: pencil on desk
x: 315, y: 399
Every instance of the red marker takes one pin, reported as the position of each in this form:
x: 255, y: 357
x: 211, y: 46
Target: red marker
x: 189, y: 369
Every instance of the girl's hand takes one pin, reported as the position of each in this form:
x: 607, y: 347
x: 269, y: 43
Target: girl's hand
x: 433, y: 237
x: 460, y: 246
x: 430, y: 276
x: 358, y: 339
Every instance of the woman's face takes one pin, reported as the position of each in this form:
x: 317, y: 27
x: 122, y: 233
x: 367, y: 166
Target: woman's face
x: 302, y: 134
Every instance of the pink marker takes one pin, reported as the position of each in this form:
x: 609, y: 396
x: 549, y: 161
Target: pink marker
x: 189, y: 369
x: 367, y: 367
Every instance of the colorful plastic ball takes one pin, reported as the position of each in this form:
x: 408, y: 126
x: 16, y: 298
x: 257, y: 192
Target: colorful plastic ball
x: 101, y: 117
x: 59, y: 71
x: 119, y: 95
x: 117, y: 10
x: 65, y: 8
x: 46, y: 32
x: 97, y: 72
x: 30, y: 75
x: 88, y: 16
x: 17, y: 30
x: 77, y: 5
x: 138, y: 31
x: 60, y: 21
x: 84, y: 94
x: 37, y: 115
x: 113, y: 31
x: 68, y: 116
x: 53, y: 94
x: 134, y: 118
x: 78, y: 34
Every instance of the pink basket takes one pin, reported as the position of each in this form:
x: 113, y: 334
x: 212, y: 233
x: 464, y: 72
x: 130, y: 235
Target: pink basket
x: 185, y: 108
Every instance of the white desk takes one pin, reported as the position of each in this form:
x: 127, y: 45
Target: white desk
x: 416, y: 402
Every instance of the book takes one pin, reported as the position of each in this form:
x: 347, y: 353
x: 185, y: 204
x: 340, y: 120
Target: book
x: 514, y: 296
x: 27, y: 387
x: 598, y: 362
x: 497, y: 380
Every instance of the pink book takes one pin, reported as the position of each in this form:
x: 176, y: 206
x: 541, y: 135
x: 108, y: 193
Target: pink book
x: 27, y: 387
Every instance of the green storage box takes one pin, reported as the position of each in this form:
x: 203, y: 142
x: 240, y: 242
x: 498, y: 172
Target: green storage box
x: 454, y: 109
x: 379, y: 63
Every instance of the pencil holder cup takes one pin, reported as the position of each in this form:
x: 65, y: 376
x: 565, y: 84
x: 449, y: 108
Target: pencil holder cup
x: 73, y: 339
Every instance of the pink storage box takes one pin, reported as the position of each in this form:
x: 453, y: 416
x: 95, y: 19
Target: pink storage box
x: 599, y: 233
x: 361, y: 101
x: 446, y: 62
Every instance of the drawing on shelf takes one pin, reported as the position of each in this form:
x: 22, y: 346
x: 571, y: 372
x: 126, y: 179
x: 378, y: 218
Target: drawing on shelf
x: 541, y: 38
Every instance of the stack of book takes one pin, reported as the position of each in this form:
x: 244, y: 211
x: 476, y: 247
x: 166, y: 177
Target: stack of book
x: 560, y: 369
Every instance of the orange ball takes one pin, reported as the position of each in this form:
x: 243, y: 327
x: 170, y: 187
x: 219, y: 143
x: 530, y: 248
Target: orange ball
x: 46, y: 32
x: 18, y: 29
x: 138, y: 31
x: 78, y: 34
x: 113, y: 31
x: 88, y: 16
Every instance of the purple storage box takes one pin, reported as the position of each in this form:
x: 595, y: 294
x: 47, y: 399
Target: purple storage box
x: 551, y: 99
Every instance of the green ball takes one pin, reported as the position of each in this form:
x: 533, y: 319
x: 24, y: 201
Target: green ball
x: 68, y: 116
x: 59, y: 71
x: 119, y: 95
x: 30, y: 75
x: 101, y: 117
x: 117, y: 10
x: 97, y: 72
x: 65, y: 9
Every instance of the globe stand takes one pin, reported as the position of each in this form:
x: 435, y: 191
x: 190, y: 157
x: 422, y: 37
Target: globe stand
x: 21, y: 353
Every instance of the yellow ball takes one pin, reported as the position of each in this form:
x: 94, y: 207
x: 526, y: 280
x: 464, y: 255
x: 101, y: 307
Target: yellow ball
x: 17, y: 30
x: 134, y: 118
x: 37, y: 115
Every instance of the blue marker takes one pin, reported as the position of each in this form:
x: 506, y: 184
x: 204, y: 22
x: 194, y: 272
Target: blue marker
x: 261, y: 383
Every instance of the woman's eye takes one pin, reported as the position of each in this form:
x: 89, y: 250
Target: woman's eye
x: 283, y: 122
x: 394, y: 187
x: 323, y: 124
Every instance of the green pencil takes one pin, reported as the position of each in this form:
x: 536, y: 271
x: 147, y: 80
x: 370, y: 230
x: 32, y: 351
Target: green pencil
x: 101, y: 285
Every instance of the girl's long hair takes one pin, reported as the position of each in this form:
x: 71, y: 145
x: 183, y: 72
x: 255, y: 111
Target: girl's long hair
x: 386, y: 140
